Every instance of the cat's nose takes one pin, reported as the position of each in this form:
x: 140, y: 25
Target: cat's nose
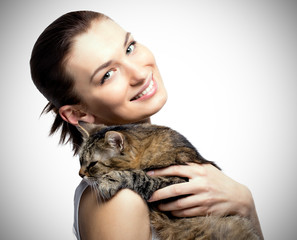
x: 82, y: 173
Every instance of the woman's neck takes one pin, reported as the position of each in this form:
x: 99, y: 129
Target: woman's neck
x: 147, y: 120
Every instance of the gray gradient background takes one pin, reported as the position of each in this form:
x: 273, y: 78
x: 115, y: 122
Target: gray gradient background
x: 230, y: 70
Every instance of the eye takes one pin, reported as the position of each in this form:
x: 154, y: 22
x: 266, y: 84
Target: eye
x: 131, y: 47
x: 107, y: 76
x: 92, y: 164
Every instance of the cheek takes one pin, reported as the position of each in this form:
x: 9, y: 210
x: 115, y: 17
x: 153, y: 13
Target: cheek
x: 110, y: 98
x: 115, y: 95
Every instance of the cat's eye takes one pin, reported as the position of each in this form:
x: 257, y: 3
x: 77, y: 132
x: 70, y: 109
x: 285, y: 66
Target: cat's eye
x: 92, y: 164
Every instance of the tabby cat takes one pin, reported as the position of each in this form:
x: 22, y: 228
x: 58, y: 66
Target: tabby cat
x: 117, y: 157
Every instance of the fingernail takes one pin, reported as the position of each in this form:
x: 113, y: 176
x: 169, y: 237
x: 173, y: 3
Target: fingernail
x: 151, y: 173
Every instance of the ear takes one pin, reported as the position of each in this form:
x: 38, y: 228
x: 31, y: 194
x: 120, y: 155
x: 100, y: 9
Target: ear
x: 115, y: 139
x: 72, y: 114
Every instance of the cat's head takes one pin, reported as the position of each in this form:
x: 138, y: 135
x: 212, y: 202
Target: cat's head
x: 102, y: 150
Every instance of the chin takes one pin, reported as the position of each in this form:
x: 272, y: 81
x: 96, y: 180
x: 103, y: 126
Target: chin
x: 158, y: 105
x: 161, y: 100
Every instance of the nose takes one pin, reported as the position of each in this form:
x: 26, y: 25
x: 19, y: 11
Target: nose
x: 136, y: 72
x: 83, y: 172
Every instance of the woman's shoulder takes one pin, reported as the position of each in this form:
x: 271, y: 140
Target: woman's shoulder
x: 125, y: 216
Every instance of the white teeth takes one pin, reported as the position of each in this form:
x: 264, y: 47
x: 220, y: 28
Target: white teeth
x: 147, y: 90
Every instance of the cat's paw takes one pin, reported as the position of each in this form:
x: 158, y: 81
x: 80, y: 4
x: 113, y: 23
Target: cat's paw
x: 109, y: 184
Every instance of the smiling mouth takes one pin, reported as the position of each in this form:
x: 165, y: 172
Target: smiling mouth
x: 149, y: 90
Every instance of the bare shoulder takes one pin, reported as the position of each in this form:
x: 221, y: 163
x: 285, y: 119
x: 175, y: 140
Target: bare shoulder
x: 125, y: 216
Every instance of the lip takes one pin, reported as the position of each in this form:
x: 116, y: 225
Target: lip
x: 150, y: 81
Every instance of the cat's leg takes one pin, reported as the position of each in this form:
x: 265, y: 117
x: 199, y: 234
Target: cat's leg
x: 137, y: 180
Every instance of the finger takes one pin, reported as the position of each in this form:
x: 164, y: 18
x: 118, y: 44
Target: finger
x: 203, y: 210
x: 182, y: 203
x: 191, y: 212
x: 173, y: 191
x: 190, y: 170
x: 175, y: 170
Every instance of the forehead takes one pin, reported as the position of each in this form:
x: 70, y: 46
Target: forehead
x: 104, y: 30
x: 96, y: 46
x: 103, y: 34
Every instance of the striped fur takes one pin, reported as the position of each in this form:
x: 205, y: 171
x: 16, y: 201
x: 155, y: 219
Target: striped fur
x: 117, y: 157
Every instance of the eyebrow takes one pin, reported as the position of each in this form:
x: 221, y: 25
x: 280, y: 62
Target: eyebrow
x: 128, y: 34
x: 105, y: 65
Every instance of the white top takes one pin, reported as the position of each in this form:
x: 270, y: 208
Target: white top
x: 77, y: 196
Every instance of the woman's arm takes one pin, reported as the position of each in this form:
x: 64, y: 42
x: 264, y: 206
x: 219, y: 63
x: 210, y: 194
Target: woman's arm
x: 125, y: 217
x: 211, y: 191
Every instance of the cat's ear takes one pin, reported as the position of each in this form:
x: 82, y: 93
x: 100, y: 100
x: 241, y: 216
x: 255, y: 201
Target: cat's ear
x: 115, y: 140
x: 83, y: 129
x: 86, y: 129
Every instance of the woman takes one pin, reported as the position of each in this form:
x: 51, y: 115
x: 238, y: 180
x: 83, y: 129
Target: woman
x: 92, y: 70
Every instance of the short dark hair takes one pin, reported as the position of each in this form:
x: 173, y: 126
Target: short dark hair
x: 48, y: 73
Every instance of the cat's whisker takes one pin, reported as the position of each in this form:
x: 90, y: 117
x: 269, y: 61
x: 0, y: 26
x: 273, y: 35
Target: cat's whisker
x: 94, y: 185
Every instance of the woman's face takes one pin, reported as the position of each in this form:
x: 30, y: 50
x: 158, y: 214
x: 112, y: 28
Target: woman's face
x: 117, y: 79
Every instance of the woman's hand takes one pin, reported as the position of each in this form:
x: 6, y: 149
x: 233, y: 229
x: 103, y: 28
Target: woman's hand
x: 209, y: 191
